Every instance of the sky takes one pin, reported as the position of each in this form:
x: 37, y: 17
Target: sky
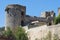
x: 33, y: 7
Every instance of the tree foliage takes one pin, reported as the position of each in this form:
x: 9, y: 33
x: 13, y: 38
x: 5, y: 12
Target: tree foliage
x: 57, y: 19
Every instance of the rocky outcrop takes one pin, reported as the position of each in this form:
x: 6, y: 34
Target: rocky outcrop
x: 38, y: 33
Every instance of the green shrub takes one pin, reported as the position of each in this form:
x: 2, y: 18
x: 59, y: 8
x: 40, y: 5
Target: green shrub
x: 57, y: 19
x: 20, y: 34
x: 9, y: 34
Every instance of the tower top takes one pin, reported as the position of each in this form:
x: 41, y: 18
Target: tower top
x: 17, y: 6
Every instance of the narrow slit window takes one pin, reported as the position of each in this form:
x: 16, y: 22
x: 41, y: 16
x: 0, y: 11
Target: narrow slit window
x: 22, y: 13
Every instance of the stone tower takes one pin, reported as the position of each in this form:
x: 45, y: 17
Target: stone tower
x: 15, y: 16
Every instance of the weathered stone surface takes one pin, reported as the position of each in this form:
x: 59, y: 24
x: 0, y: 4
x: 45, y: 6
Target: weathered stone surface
x: 15, y: 14
x: 42, y: 32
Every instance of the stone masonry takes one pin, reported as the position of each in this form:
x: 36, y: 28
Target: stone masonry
x: 15, y: 15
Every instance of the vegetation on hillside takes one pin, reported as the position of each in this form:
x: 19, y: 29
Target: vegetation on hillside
x: 9, y: 34
x: 19, y: 34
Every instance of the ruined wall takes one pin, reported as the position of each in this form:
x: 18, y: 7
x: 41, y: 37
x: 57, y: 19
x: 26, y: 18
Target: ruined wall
x: 49, y: 15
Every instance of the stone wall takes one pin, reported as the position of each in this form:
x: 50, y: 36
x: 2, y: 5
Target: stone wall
x: 38, y: 33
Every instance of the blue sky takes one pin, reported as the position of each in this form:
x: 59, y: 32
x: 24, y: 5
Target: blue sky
x: 33, y: 7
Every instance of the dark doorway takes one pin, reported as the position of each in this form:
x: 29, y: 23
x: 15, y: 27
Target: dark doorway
x: 49, y: 23
x: 22, y: 23
x: 22, y: 13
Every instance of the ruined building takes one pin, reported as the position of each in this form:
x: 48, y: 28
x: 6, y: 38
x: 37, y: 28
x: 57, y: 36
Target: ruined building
x: 49, y: 15
x: 16, y: 16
